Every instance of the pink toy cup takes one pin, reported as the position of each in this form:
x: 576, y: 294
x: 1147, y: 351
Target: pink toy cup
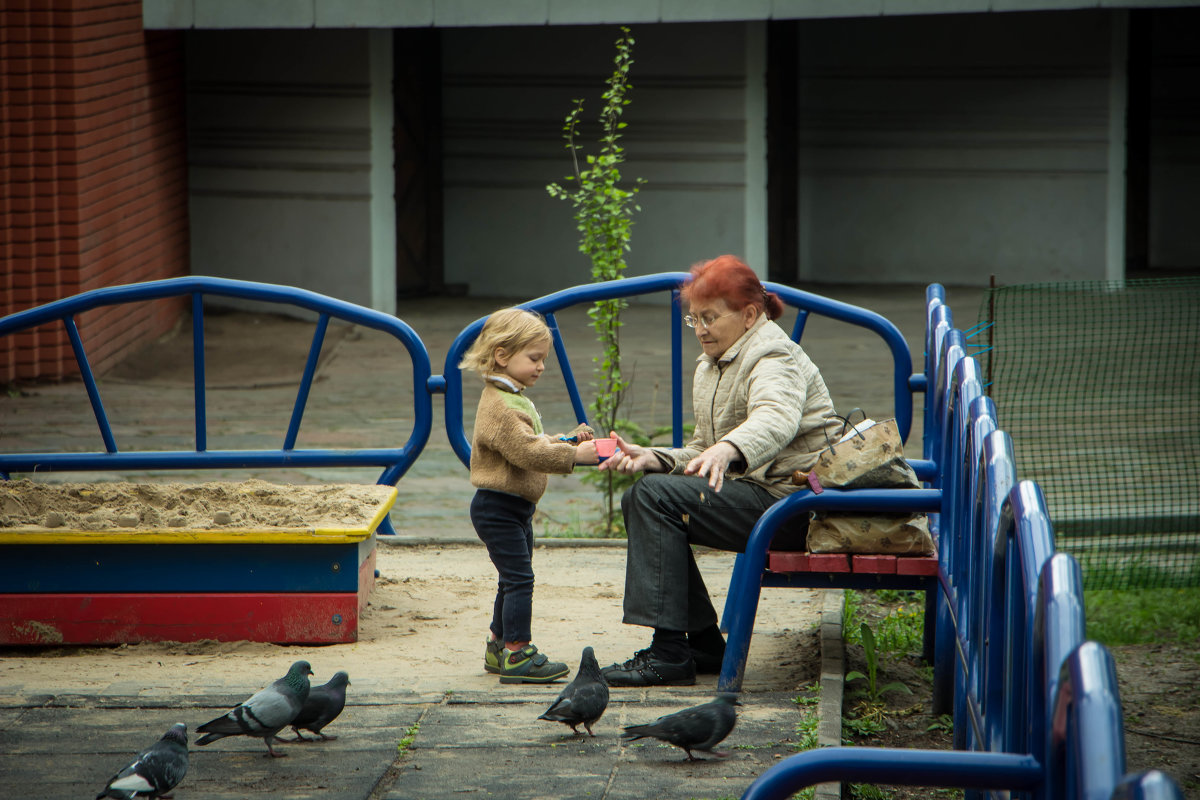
x: 605, y: 448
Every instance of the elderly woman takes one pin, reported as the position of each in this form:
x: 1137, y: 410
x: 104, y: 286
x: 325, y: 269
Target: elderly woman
x: 762, y: 411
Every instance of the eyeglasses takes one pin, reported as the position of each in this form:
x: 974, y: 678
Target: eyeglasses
x: 704, y: 321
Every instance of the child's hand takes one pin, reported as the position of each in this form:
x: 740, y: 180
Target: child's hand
x: 584, y: 435
x: 585, y: 453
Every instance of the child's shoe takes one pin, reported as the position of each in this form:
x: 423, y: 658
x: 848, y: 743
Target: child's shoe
x: 492, y: 656
x: 527, y: 665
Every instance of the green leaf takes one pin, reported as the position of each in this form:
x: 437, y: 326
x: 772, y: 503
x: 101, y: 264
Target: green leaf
x: 895, y: 686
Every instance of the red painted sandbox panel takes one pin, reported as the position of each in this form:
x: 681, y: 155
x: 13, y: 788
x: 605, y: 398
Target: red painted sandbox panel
x: 281, y: 618
x: 366, y: 579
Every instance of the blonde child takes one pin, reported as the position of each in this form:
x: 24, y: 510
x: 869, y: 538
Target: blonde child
x: 510, y: 458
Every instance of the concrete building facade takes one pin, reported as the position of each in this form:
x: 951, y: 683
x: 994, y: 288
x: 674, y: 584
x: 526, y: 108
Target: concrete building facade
x: 368, y: 150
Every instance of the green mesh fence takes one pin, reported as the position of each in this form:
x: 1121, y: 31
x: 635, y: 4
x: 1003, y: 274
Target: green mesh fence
x: 1098, y: 383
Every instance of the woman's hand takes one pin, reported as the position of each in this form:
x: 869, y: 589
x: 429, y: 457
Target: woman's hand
x: 714, y: 463
x: 585, y: 452
x: 631, y: 458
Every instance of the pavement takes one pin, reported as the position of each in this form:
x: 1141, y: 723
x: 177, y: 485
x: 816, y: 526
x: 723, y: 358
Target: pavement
x: 404, y: 743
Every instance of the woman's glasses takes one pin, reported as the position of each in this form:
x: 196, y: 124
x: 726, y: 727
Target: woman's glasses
x: 704, y: 320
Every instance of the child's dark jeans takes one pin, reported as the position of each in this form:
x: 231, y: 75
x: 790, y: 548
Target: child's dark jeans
x: 504, y: 523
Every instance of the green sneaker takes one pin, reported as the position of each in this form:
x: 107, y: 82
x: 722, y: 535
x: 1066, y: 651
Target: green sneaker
x: 527, y: 665
x: 492, y: 656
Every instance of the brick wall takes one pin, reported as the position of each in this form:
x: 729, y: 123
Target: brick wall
x: 93, y: 175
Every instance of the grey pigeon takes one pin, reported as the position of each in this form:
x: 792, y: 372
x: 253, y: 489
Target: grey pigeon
x: 322, y: 707
x: 155, y: 771
x: 266, y: 713
x: 584, y: 699
x: 697, y: 728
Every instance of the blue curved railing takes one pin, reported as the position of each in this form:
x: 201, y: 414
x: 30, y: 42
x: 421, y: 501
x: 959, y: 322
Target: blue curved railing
x: 395, y: 461
x: 806, y: 303
x: 1036, y: 707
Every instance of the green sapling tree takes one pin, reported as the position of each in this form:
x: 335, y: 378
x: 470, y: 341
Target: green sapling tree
x: 604, y: 209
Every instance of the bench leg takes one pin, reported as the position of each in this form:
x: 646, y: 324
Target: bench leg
x: 943, y: 657
x: 930, y: 633
x: 725, y: 613
x: 741, y: 606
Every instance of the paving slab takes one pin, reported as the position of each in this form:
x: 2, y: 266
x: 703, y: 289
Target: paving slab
x: 76, y: 745
x: 502, y: 749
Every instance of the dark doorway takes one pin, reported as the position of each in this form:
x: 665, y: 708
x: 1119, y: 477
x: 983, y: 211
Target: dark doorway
x: 417, y: 134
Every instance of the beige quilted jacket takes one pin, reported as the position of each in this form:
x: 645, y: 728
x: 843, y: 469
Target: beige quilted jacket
x: 768, y: 399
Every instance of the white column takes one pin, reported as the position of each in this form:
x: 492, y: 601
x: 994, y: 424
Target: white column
x: 754, y: 250
x: 1118, y: 88
x: 383, y: 175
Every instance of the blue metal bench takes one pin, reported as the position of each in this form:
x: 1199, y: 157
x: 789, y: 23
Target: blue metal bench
x: 1036, y: 707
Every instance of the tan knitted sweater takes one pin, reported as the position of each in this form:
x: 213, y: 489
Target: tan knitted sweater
x: 509, y: 451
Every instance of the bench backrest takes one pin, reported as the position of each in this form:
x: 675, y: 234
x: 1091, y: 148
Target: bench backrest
x: 904, y: 383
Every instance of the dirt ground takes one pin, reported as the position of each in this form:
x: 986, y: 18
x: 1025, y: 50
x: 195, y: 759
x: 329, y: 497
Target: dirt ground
x: 424, y: 631
x: 1159, y: 696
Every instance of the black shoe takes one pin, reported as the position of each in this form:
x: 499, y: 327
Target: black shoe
x: 707, y: 663
x: 647, y: 669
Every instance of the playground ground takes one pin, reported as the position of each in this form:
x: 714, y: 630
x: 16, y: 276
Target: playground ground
x: 415, y: 672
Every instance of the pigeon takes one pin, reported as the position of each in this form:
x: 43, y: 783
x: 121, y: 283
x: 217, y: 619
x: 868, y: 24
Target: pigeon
x: 155, y: 771
x: 697, y: 728
x: 322, y: 707
x: 266, y: 713
x: 584, y: 699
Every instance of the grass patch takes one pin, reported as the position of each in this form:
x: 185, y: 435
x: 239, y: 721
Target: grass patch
x: 1142, y: 616
x: 410, y: 736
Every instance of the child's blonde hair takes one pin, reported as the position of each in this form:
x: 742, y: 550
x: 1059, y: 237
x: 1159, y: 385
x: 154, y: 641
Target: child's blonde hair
x: 510, y: 329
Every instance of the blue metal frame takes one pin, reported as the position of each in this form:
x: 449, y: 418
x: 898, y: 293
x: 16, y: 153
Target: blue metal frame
x: 395, y: 460
x: 450, y: 382
x: 746, y: 583
x: 1036, y: 707
x: 1061, y: 734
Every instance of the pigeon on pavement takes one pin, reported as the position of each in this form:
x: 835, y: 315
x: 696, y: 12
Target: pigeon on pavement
x: 322, y: 707
x: 156, y: 771
x: 584, y: 699
x: 697, y: 728
x: 266, y: 713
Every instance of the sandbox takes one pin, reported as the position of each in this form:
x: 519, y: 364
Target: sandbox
x: 120, y: 563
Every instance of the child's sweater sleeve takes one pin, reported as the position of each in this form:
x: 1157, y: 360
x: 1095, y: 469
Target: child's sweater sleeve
x: 513, y: 437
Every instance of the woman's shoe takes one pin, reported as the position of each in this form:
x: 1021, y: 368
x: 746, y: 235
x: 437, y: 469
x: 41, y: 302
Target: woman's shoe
x: 647, y: 669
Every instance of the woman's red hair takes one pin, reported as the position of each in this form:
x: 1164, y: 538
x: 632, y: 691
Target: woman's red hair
x: 728, y: 278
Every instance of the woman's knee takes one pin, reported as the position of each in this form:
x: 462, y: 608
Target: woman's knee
x: 648, y: 489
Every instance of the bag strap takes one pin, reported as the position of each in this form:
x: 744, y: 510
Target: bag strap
x: 846, y: 423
